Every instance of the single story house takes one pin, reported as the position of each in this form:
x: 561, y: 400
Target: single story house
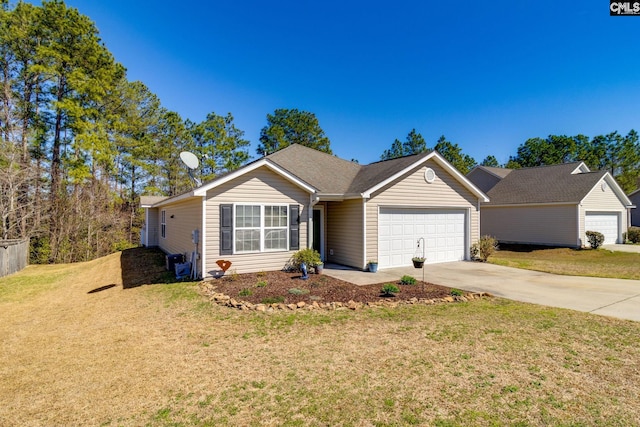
x: 551, y: 205
x: 258, y: 216
x: 634, y: 212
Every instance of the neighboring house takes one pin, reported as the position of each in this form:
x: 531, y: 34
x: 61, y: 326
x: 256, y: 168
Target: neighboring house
x: 634, y: 212
x: 551, y: 205
x: 259, y: 215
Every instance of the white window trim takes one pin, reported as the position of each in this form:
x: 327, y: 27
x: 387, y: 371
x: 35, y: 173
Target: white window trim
x: 163, y: 224
x: 262, y: 228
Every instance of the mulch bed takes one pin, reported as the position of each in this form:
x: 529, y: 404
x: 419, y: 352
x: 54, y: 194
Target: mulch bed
x: 289, y: 288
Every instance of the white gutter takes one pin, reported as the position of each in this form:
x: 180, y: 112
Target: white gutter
x: 203, y: 239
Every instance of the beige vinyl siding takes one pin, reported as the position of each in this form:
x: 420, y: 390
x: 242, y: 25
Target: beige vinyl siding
x: 553, y: 225
x: 483, y: 179
x: 412, y: 190
x: 187, y: 216
x: 262, y: 187
x: 152, y: 226
x: 345, y: 233
x: 604, y: 202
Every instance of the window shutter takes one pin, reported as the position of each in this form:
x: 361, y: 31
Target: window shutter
x: 294, y: 227
x: 226, y: 229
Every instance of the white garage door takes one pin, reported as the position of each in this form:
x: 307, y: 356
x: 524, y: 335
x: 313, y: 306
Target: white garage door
x: 399, y: 230
x: 605, y: 223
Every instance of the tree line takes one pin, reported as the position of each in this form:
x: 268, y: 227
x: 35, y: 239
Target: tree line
x: 618, y: 154
x: 80, y: 142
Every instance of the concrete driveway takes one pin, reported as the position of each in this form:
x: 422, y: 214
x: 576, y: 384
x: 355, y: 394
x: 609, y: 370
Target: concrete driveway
x: 608, y: 297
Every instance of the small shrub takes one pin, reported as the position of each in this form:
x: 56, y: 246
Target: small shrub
x: 296, y: 291
x: 245, y: 292
x: 261, y: 273
x: 408, y: 280
x: 234, y: 276
x: 456, y: 292
x: 595, y: 238
x: 633, y: 234
x: 309, y: 256
x: 484, y: 248
x: 389, y: 289
x: 273, y: 300
x: 261, y: 284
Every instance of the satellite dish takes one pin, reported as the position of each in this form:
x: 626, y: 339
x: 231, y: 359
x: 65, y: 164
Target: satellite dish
x: 190, y: 160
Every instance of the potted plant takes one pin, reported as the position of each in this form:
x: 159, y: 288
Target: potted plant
x: 319, y: 267
x: 418, y: 261
x: 373, y: 266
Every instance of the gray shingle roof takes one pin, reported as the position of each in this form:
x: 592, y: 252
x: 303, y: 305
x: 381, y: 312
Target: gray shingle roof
x: 501, y: 172
x: 545, y: 184
x: 327, y: 173
x: 332, y: 175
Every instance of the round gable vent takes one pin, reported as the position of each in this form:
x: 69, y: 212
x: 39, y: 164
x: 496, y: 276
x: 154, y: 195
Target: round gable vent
x: 429, y: 175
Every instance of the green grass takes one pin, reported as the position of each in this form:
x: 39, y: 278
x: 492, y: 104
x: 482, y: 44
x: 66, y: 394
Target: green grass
x: 482, y: 363
x: 491, y: 362
x: 33, y: 281
x: 573, y: 262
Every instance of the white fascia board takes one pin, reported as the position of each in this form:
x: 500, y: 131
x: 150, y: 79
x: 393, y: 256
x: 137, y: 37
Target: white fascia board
x: 202, y: 191
x: 443, y: 163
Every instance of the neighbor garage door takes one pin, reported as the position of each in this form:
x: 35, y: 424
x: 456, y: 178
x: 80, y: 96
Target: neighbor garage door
x: 605, y: 223
x: 444, y: 233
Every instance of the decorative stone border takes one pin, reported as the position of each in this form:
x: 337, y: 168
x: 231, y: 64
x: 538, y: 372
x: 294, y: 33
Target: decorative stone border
x: 226, y: 301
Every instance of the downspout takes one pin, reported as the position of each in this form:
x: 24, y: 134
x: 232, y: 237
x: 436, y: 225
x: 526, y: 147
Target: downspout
x: 146, y: 227
x: 364, y: 233
x: 203, y: 239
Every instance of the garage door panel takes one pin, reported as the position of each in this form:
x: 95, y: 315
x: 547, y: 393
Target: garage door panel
x: 605, y: 223
x: 443, y: 232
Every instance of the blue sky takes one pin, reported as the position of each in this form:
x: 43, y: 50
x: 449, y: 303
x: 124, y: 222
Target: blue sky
x: 486, y: 74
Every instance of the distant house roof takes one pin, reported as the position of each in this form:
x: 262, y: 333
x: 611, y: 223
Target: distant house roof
x: 146, y: 201
x: 564, y: 183
x: 499, y: 172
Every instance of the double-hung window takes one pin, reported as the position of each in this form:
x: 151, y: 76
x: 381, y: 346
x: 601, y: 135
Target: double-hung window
x: 261, y: 228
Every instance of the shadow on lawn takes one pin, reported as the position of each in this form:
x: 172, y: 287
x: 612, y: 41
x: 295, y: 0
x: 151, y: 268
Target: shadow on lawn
x: 143, y: 266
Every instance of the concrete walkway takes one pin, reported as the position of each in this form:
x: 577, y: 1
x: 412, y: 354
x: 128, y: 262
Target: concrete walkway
x: 609, y: 297
x: 622, y: 248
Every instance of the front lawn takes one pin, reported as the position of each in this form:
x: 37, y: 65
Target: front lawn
x: 79, y: 348
x: 572, y: 262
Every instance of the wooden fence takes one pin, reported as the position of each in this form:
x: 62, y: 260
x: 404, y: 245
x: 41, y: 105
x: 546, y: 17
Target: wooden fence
x: 14, y: 256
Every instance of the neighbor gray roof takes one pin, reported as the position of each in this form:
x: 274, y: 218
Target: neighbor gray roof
x: 500, y: 172
x: 332, y: 175
x: 544, y: 184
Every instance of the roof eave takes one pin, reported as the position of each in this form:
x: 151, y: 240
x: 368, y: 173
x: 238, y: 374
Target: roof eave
x: 513, y: 205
